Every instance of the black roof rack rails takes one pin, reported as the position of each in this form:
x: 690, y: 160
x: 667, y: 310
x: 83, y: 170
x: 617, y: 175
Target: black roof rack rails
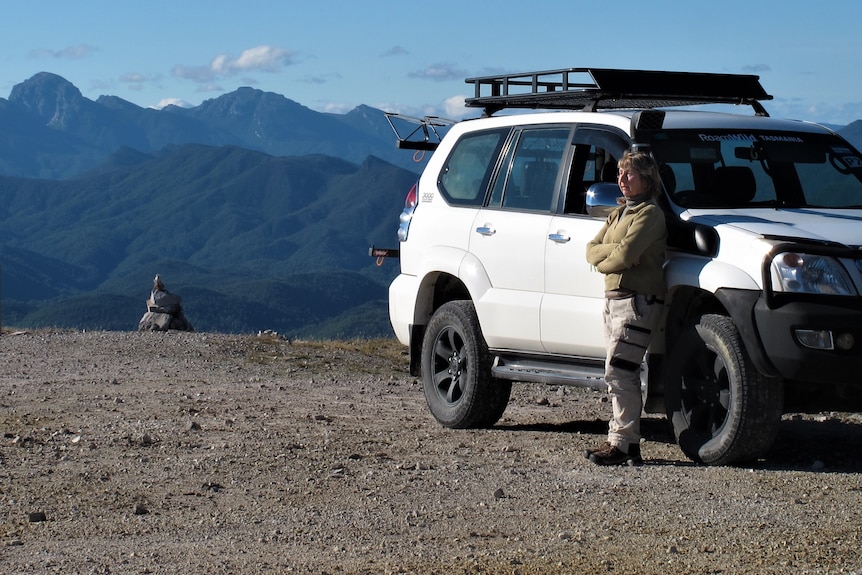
x: 426, y: 128
x: 590, y: 89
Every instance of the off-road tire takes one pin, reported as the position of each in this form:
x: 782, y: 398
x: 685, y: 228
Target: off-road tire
x: 723, y: 411
x: 456, y: 370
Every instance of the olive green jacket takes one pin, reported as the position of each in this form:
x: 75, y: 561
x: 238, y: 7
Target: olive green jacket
x: 630, y: 249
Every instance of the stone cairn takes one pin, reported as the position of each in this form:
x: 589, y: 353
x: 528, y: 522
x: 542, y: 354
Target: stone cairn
x: 164, y: 311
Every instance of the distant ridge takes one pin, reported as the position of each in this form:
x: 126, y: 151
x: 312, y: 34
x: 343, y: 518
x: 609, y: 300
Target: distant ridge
x: 50, y: 130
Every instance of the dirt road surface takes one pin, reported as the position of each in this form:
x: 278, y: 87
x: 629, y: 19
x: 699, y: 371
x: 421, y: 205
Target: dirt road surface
x: 177, y: 453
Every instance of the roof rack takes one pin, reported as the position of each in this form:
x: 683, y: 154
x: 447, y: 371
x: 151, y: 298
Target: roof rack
x: 590, y: 89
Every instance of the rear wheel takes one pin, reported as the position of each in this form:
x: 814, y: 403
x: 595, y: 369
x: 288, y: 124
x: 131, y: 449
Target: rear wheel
x: 722, y: 409
x: 456, y: 370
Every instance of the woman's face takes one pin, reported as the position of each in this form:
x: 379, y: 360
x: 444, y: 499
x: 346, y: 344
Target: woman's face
x: 631, y: 183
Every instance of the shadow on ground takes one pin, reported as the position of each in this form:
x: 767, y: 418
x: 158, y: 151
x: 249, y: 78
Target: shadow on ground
x: 834, y: 445
x: 803, y: 444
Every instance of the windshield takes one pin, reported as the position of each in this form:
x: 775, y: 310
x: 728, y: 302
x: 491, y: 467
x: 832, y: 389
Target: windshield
x: 721, y: 169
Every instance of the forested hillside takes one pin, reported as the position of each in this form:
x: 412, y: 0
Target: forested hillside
x: 250, y: 241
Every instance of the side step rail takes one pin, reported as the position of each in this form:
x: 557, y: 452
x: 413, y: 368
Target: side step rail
x: 554, y: 373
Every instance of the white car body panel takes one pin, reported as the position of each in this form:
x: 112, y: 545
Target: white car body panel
x: 509, y: 310
x: 572, y: 309
x: 842, y: 226
x: 748, y: 235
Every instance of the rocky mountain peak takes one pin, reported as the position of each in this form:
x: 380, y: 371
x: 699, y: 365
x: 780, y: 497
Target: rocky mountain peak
x: 51, y: 97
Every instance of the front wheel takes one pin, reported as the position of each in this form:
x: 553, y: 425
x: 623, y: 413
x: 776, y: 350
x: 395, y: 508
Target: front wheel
x: 456, y: 370
x: 722, y: 409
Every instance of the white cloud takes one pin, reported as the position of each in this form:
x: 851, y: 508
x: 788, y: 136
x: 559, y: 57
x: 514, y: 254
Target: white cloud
x: 756, y: 68
x: 334, y: 107
x: 451, y: 109
x: 258, y: 59
x: 133, y: 78
x: 396, y: 51
x: 321, y: 78
x: 209, y: 87
x: 839, y: 114
x: 194, y: 73
x: 70, y: 53
x: 171, y: 102
x: 455, y: 109
x: 266, y: 58
x: 439, y: 73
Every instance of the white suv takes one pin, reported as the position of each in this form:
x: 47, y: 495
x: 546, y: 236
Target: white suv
x: 763, y: 314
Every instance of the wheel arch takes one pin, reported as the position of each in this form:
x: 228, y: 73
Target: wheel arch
x: 707, y: 274
x: 683, y: 305
x: 449, y: 274
x: 435, y: 289
x: 442, y: 283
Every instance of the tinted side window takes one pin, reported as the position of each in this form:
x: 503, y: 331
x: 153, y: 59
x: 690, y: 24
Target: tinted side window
x: 466, y: 173
x: 596, y: 151
x: 528, y: 180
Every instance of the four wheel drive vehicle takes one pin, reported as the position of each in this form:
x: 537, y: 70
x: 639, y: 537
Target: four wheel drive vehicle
x: 763, y: 315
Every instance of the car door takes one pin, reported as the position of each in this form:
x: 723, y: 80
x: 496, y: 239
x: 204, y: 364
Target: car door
x: 509, y: 235
x: 571, y: 311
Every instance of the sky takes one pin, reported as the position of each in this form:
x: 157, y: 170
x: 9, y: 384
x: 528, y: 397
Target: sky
x: 412, y: 57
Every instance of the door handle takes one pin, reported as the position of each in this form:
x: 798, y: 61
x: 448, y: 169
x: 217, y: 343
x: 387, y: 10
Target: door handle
x: 486, y: 230
x: 560, y: 237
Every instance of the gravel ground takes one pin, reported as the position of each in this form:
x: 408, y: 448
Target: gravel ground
x: 211, y: 453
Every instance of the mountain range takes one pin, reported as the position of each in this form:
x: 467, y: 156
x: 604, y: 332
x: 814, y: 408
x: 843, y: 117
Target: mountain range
x: 48, y: 129
x: 256, y: 210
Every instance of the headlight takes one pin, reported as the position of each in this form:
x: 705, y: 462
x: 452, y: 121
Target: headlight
x: 805, y: 273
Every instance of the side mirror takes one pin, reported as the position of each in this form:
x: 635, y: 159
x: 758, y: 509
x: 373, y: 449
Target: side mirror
x: 602, y: 199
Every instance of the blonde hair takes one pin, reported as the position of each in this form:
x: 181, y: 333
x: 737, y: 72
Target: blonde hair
x: 646, y: 167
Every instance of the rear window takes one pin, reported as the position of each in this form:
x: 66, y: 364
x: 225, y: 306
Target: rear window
x: 467, y: 171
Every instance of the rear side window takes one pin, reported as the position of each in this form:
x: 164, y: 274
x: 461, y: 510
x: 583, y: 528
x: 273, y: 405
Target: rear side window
x: 465, y: 176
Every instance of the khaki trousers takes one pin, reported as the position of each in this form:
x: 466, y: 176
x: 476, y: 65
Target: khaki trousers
x: 629, y: 325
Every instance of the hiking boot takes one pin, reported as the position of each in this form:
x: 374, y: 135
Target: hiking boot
x: 609, y: 454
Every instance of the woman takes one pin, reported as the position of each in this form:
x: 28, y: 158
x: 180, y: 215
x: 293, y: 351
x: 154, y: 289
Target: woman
x: 630, y: 251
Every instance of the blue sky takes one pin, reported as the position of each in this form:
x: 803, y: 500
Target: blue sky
x: 412, y: 57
